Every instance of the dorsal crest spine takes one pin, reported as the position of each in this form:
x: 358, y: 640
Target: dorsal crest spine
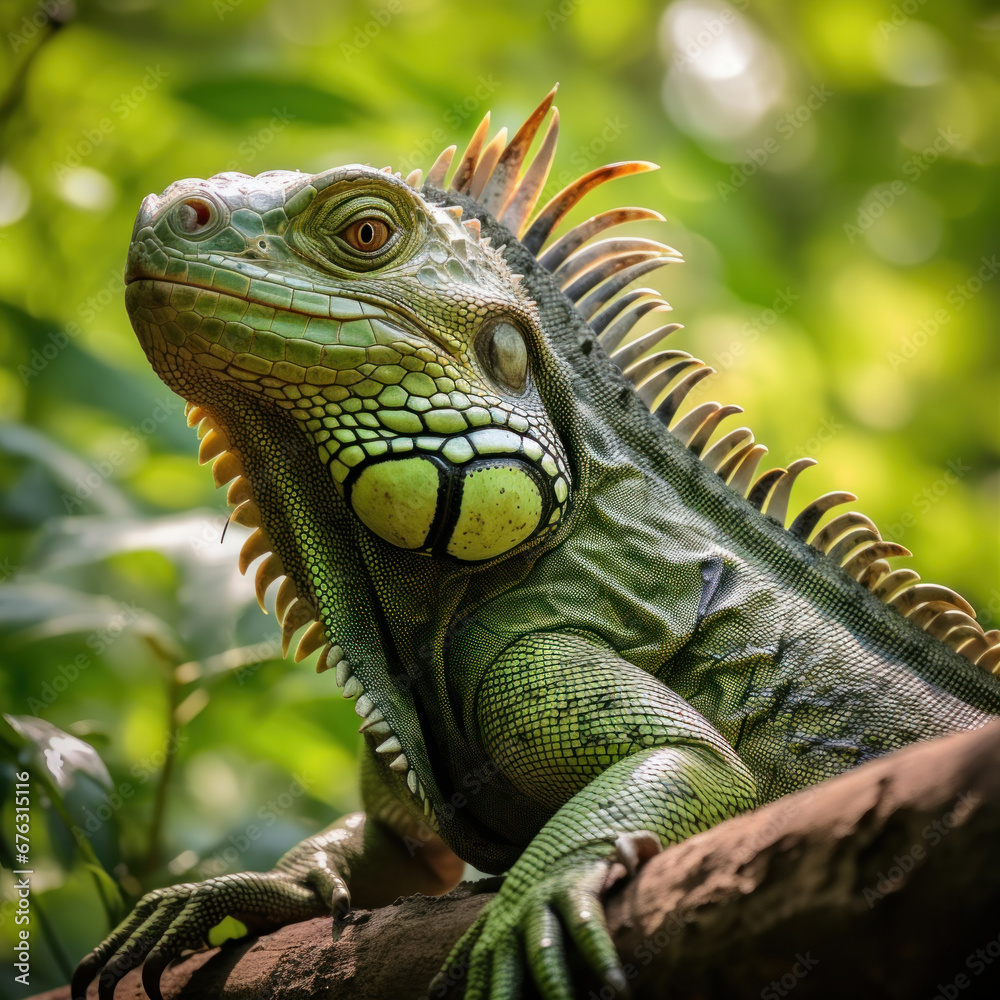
x: 595, y: 277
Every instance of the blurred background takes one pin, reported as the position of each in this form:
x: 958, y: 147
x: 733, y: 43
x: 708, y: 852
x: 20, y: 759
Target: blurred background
x: 829, y: 171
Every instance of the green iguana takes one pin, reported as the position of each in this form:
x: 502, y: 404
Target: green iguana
x: 576, y: 628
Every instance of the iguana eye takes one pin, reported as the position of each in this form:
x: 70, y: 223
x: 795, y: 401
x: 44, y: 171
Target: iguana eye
x: 504, y: 355
x: 366, y: 235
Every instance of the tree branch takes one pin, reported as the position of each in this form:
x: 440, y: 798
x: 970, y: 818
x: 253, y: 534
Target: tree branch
x: 881, y: 882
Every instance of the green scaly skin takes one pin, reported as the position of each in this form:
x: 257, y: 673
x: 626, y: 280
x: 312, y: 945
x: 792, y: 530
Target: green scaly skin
x: 570, y: 640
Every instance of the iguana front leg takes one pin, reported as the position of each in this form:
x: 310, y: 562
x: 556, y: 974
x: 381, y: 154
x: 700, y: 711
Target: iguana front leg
x: 623, y: 760
x: 363, y: 858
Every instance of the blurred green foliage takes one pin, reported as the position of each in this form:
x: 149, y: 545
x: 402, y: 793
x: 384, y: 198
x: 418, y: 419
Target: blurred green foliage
x: 829, y: 172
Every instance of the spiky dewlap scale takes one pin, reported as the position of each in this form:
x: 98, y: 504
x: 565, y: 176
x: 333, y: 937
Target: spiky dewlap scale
x: 296, y: 609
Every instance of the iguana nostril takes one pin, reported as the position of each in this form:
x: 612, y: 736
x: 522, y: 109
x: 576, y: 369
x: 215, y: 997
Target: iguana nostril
x: 194, y: 215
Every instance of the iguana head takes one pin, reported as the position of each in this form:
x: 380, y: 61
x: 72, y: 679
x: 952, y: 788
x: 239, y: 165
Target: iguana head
x: 395, y: 339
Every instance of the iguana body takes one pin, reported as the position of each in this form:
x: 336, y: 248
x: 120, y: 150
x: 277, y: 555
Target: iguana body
x: 569, y: 638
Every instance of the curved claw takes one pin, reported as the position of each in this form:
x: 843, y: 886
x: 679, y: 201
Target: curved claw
x: 122, y: 962
x: 133, y: 952
x: 85, y: 972
x: 152, y: 972
x: 328, y: 885
x: 340, y: 906
x: 581, y: 912
x: 635, y: 848
x: 105, y: 952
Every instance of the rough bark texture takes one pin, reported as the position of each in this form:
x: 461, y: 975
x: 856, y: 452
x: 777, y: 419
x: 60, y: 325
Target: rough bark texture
x: 879, y: 883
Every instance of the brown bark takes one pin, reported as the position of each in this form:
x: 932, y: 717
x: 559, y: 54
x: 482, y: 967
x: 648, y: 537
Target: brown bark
x: 878, y: 883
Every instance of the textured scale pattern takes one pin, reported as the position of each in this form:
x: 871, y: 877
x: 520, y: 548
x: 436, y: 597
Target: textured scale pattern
x: 577, y: 621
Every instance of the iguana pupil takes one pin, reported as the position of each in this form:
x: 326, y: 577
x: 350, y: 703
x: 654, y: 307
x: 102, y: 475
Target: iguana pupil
x: 367, y: 235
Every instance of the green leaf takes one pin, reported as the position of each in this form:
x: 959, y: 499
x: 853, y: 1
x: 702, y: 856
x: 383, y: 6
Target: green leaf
x: 65, y: 467
x: 37, y: 610
x: 245, y: 100
x: 70, y: 771
x: 191, y: 542
x: 110, y: 894
x: 61, y: 756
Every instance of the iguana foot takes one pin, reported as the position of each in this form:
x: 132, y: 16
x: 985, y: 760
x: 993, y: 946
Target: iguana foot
x: 530, y: 921
x: 194, y: 915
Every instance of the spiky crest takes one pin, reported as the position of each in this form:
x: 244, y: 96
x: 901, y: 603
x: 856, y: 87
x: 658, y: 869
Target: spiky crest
x: 594, y: 276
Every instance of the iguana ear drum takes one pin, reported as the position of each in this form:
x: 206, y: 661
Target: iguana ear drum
x: 470, y: 512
